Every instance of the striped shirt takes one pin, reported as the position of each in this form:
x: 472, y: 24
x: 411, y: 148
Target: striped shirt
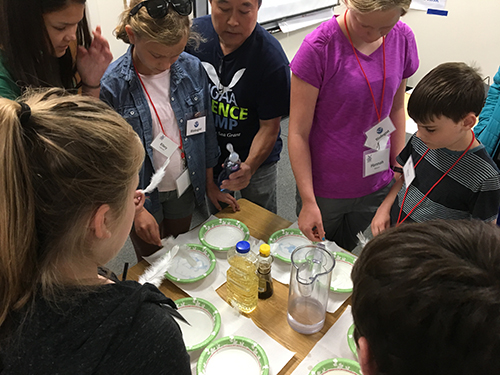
x: 471, y: 190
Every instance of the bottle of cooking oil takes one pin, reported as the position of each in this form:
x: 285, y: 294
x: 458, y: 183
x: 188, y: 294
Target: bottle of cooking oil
x: 242, y: 280
x: 264, y: 271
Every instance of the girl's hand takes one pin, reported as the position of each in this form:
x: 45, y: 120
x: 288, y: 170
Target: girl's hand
x: 146, y: 227
x: 139, y: 199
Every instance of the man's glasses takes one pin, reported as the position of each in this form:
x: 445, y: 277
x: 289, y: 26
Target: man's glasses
x: 159, y: 8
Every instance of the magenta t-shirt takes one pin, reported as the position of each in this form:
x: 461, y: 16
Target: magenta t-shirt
x: 344, y: 109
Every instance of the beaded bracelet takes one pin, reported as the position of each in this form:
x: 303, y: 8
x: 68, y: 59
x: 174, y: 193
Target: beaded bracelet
x: 91, y: 87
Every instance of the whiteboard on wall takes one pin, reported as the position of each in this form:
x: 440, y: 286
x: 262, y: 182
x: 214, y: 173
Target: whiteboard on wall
x: 273, y: 10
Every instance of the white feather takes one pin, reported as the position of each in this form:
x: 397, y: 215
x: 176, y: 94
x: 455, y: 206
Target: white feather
x: 156, y: 272
x: 157, y: 177
x: 362, y: 239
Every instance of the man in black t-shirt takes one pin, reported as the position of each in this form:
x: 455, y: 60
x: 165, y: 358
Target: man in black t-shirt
x: 249, y: 82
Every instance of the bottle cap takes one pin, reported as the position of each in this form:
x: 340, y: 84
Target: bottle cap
x: 265, y: 249
x: 243, y: 247
x: 233, y: 156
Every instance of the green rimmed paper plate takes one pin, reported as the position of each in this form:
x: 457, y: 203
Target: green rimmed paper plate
x: 341, y: 274
x: 351, y: 342
x: 286, y: 241
x: 222, y: 234
x: 337, y: 366
x: 192, y: 262
x: 204, y: 319
x: 231, y: 355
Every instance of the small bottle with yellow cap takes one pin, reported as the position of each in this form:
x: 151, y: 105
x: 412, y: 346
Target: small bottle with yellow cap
x: 264, y: 272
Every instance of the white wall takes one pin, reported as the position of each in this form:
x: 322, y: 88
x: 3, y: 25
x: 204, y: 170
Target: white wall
x: 469, y: 33
x: 106, y: 13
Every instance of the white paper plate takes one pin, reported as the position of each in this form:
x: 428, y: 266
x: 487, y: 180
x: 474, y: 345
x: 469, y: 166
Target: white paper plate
x: 284, y: 241
x: 222, y: 234
x: 191, y: 263
x: 351, y: 342
x: 341, y: 274
x: 233, y: 355
x: 337, y: 366
x: 204, y: 320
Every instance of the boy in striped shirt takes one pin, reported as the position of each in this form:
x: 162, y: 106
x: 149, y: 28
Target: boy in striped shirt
x: 449, y: 175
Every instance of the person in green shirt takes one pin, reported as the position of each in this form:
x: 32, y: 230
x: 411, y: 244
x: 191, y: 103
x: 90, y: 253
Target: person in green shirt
x: 35, y: 40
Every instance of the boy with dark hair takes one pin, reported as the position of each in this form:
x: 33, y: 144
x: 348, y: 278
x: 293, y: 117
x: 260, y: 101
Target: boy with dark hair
x: 426, y: 299
x: 449, y: 173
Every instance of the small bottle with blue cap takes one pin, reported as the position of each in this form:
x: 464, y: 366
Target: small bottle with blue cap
x: 242, y: 279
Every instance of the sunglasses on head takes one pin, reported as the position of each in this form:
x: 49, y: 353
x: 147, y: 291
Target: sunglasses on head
x: 159, y: 8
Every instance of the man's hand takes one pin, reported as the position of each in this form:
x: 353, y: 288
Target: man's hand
x: 238, y: 180
x: 146, y: 227
x: 216, y: 196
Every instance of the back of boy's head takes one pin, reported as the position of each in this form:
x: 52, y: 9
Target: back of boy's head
x: 452, y: 89
x: 427, y: 298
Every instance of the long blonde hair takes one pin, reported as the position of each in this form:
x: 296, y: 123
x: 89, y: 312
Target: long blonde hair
x: 366, y: 6
x: 61, y: 157
x: 168, y: 30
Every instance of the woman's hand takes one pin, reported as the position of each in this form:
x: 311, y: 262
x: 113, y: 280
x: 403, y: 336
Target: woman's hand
x: 91, y: 63
x: 311, y: 222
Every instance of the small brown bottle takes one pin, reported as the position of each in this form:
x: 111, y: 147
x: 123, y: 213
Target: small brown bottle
x: 264, y: 272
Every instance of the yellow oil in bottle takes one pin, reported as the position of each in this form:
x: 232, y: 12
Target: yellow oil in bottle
x: 242, y: 283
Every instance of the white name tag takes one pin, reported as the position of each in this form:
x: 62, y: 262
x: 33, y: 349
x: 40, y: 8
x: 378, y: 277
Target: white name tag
x: 375, y: 162
x: 409, y: 171
x: 379, y: 133
x: 182, y: 182
x: 196, y: 126
x: 164, y: 145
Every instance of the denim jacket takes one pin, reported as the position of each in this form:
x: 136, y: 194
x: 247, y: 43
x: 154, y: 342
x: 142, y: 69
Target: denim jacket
x: 122, y: 90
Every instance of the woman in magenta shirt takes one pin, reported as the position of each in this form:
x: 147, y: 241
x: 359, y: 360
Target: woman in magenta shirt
x: 349, y: 77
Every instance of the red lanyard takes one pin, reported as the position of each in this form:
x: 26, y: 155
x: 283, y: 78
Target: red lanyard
x: 156, y: 112
x: 379, y: 113
x: 433, y: 186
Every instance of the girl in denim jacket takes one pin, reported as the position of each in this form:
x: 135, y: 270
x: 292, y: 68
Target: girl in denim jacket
x: 163, y: 94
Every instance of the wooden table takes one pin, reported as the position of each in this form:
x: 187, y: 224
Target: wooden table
x: 270, y: 315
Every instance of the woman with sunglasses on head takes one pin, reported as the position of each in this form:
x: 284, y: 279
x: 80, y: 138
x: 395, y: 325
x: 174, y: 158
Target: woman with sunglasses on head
x: 163, y: 93
x: 47, y: 43
x: 67, y: 202
x: 347, y: 116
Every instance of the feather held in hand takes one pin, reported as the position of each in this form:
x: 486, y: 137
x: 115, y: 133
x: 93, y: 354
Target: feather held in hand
x: 156, y: 271
x: 156, y: 178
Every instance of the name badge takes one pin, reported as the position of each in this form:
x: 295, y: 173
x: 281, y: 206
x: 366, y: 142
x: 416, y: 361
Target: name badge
x: 375, y: 162
x: 377, y: 136
x: 196, y: 126
x: 182, y: 182
x: 164, y: 145
x: 409, y: 171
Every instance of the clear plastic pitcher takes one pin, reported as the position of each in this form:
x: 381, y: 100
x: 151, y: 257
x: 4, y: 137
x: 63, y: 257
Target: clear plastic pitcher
x: 310, y: 280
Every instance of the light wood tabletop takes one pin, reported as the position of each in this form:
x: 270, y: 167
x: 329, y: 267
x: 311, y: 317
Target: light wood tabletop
x: 270, y: 314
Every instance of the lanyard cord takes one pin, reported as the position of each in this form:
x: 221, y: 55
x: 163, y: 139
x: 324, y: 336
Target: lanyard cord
x: 379, y: 113
x: 433, y: 186
x: 156, y: 112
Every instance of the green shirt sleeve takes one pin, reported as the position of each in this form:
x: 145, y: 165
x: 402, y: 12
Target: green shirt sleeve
x: 8, y: 88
